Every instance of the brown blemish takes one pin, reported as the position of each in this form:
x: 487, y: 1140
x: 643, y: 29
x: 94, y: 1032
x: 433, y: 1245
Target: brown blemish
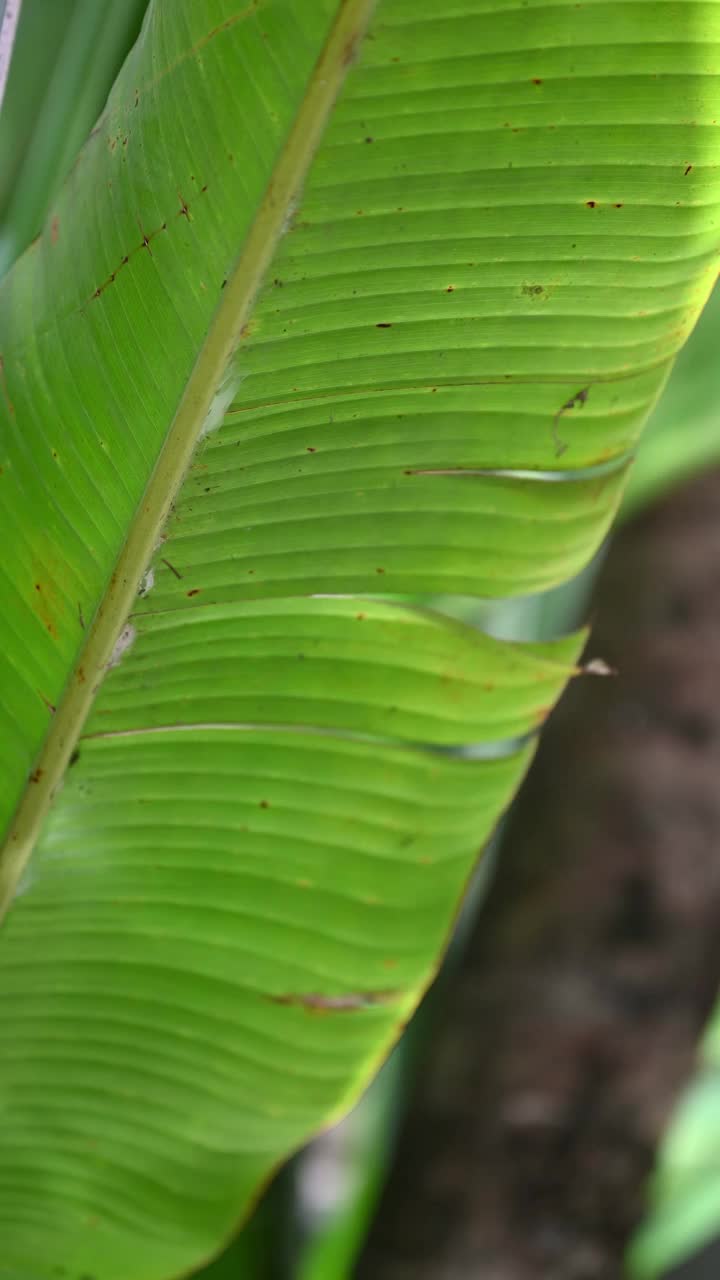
x: 450, y: 288
x: 147, y: 239
x: 81, y: 675
x: 348, y: 1002
x: 360, y: 617
x: 591, y: 204
x: 54, y: 230
x: 578, y: 400
x: 533, y: 290
x: 171, y: 567
x: 618, y: 205
x: 687, y: 171
x: 264, y: 804
x: 36, y: 775
x: 384, y: 325
x: 195, y: 591
x: 81, y: 619
x: 50, y: 705
x: 310, y: 449
x: 183, y: 211
x: 74, y: 758
x: 536, y: 80
x: 379, y: 570
x: 350, y: 49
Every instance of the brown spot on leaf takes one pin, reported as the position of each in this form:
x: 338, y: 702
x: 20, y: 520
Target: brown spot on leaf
x: 591, y: 203
x: 194, y: 592
x: 578, y: 400
x: 687, y: 171
x: 36, y: 775
x: 346, y: 1002
x: 350, y: 48
x: 384, y: 324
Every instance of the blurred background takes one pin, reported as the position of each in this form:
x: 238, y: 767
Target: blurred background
x: 553, y: 1111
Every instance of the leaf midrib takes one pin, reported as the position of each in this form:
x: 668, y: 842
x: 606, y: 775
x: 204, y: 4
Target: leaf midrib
x: 232, y: 313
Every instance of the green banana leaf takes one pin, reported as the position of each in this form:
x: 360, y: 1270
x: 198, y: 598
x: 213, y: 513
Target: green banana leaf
x: 342, y: 302
x: 684, y: 1210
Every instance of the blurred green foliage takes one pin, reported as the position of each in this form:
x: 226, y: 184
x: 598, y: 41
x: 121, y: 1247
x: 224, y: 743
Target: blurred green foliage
x: 66, y: 57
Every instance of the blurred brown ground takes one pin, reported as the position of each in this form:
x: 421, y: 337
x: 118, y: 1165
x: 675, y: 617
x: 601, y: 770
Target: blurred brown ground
x: 597, y: 957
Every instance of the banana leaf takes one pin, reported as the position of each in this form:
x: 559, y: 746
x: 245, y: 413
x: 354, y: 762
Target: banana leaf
x: 342, y: 303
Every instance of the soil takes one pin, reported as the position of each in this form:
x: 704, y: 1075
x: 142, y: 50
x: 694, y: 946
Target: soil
x: 595, y: 962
